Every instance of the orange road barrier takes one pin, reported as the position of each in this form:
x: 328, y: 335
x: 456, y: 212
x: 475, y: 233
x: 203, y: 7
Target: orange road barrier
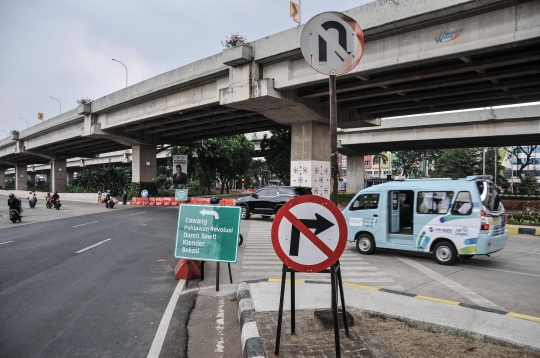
x: 159, y: 201
x: 167, y: 201
x: 181, y: 270
x: 136, y: 201
x: 151, y: 201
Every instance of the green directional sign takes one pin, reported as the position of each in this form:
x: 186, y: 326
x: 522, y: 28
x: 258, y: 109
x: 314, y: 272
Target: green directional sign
x: 181, y: 194
x: 208, y: 233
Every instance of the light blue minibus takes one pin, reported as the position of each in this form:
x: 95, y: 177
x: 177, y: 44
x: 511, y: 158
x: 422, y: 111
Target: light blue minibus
x: 448, y: 217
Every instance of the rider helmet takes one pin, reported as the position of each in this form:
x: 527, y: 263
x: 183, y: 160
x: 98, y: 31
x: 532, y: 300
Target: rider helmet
x: 11, y: 195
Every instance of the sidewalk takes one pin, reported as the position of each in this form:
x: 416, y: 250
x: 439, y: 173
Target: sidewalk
x: 261, y: 297
x: 523, y: 230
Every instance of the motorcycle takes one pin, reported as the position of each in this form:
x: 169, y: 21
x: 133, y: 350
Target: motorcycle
x: 109, y: 204
x: 57, y: 204
x: 14, y: 215
x: 49, y: 204
x: 32, y: 203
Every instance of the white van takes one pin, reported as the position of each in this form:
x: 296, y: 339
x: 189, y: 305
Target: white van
x: 447, y: 217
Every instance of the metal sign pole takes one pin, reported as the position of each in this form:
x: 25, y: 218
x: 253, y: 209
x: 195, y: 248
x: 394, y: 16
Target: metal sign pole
x: 333, y: 140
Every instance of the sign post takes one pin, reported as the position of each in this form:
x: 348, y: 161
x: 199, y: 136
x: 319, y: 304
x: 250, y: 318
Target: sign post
x: 333, y: 56
x: 181, y: 194
x: 309, y: 234
x: 208, y: 233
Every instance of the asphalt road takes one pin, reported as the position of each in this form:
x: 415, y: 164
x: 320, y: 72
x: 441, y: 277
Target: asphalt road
x: 106, y: 301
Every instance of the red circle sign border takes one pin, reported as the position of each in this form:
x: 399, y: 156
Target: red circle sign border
x: 342, y: 226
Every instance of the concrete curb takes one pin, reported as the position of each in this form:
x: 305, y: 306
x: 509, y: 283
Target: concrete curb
x: 252, y: 346
x: 515, y: 230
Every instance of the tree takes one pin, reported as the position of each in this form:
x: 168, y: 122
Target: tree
x: 234, y: 40
x: 513, y: 152
x: 276, y: 149
x: 490, y: 167
x: 458, y: 163
x: 380, y: 158
x: 402, y: 163
x: 528, y: 183
x: 254, y: 171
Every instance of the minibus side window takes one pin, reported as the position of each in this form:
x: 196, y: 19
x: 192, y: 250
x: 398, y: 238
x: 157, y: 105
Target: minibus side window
x: 365, y: 202
x: 463, y: 205
x: 434, y: 202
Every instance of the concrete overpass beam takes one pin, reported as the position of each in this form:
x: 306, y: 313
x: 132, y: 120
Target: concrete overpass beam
x: 21, y: 177
x: 59, y: 175
x: 310, y: 157
x: 355, y: 173
x: 143, y: 163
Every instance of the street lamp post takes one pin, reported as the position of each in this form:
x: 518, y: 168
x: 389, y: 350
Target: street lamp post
x: 25, y: 121
x: 58, y: 103
x: 126, y: 70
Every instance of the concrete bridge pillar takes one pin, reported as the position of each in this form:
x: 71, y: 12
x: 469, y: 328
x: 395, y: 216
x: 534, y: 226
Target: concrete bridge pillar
x: 355, y: 174
x: 58, y: 175
x: 70, y: 176
x: 2, y: 178
x: 310, y: 157
x: 143, y: 163
x: 21, y: 177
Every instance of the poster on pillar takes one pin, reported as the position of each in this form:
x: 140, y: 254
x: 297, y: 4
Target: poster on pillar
x: 180, y: 169
x: 314, y: 174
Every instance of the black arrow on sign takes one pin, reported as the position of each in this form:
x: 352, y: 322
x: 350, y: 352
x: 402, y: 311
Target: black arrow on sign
x: 320, y: 224
x: 295, y: 10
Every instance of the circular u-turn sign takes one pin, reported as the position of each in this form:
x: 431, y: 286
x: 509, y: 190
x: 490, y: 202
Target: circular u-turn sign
x: 332, y: 43
x: 309, y: 233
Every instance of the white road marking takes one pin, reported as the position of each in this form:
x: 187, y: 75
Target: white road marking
x: 93, y: 222
x: 492, y: 269
x: 7, y: 242
x: 462, y: 290
x: 89, y: 247
x: 142, y: 212
x: 220, y: 325
x: 157, y: 344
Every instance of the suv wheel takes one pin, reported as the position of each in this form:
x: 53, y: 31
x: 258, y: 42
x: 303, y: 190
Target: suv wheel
x: 245, y: 213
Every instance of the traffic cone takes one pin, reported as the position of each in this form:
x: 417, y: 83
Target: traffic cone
x: 181, y: 270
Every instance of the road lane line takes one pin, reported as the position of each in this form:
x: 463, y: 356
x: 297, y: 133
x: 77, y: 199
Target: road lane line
x: 462, y: 290
x: 220, y: 325
x: 89, y: 247
x: 93, y: 222
x: 7, y: 242
x: 142, y: 212
x: 157, y: 344
x: 492, y: 269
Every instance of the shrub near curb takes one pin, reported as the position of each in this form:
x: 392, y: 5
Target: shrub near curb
x: 522, y: 219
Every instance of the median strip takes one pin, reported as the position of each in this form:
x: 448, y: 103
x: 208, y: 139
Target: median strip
x: 93, y: 222
x: 89, y: 247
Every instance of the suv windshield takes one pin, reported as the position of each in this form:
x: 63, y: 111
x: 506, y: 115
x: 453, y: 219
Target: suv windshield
x: 489, y: 195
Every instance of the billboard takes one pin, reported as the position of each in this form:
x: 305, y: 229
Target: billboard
x: 180, y: 169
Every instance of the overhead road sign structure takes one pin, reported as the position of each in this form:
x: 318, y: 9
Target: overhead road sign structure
x: 309, y: 233
x: 208, y: 233
x: 294, y: 11
x: 332, y: 43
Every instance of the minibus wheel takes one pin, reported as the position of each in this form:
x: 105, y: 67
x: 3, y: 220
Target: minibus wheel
x: 365, y: 244
x: 445, y: 253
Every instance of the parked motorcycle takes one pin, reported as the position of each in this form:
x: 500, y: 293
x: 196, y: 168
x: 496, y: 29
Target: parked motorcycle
x: 57, y: 204
x: 14, y: 215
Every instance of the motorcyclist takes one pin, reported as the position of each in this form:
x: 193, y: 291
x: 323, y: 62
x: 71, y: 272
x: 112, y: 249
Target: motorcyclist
x: 15, y: 204
x: 32, y: 196
x: 48, y: 198
x: 55, y: 196
x: 107, y: 197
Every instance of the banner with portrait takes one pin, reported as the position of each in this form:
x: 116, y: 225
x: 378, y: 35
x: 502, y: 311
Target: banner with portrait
x: 180, y: 169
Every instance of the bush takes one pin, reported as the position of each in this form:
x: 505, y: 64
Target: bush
x: 75, y: 189
x: 165, y: 192
x: 163, y: 181
x: 10, y: 185
x: 523, y: 219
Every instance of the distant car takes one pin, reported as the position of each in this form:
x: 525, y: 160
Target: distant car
x: 267, y: 201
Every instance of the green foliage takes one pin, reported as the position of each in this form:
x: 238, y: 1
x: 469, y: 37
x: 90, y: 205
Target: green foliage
x: 256, y: 168
x: 402, y: 163
x: 112, y: 178
x: 234, y: 40
x: 522, y: 219
x: 513, y: 152
x: 163, y: 181
x: 40, y: 185
x: 10, y: 184
x: 277, y: 152
x: 490, y: 167
x: 458, y: 163
x: 528, y: 184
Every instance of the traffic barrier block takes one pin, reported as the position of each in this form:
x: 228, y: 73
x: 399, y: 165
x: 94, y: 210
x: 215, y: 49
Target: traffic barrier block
x: 167, y: 201
x: 175, y: 202
x: 181, y: 270
x: 135, y: 201
x: 205, y: 200
x: 159, y: 201
x: 151, y: 201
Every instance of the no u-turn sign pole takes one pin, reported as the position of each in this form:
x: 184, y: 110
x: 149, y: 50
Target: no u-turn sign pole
x: 309, y: 233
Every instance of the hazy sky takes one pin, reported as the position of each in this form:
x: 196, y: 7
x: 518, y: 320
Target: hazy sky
x: 64, y: 48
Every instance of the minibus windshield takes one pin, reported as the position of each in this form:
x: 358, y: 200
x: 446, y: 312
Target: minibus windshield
x: 489, y: 195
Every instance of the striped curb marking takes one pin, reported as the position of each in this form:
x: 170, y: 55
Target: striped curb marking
x: 252, y: 346
x: 373, y: 288
x: 523, y: 230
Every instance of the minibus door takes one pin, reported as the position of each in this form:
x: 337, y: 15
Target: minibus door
x: 394, y: 211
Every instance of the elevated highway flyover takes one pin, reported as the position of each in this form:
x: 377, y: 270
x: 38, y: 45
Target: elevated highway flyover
x: 420, y: 56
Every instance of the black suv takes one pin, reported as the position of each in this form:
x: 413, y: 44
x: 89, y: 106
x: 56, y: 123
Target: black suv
x: 267, y: 201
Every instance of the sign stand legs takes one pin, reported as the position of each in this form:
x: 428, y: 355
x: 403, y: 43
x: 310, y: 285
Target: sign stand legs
x: 188, y: 272
x: 337, y: 289
x: 217, y: 275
